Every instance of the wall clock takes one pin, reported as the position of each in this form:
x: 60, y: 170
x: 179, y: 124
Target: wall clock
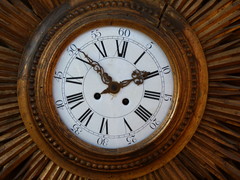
x: 110, y: 94
x: 107, y: 102
x: 115, y: 89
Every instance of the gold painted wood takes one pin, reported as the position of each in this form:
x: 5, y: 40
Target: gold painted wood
x: 213, y: 152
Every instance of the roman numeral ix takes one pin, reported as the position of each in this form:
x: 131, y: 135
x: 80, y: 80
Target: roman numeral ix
x: 74, y: 80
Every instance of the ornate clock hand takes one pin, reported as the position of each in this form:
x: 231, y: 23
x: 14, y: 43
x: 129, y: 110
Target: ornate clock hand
x: 137, y: 77
x: 106, y: 79
x: 113, y: 88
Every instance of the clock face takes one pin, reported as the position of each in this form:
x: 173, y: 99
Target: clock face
x: 113, y: 87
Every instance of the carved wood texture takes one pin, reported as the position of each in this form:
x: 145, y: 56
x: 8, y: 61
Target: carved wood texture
x: 214, y: 150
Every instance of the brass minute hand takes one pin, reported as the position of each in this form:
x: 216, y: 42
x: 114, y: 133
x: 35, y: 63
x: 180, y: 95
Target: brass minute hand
x: 106, y: 79
x: 137, y: 77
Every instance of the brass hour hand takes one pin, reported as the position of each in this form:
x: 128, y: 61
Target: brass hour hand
x: 106, y: 79
x: 137, y: 77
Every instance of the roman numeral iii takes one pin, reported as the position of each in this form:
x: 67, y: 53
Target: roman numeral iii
x: 152, y: 95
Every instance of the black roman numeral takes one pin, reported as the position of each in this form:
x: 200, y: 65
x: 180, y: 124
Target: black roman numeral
x: 152, y: 95
x: 152, y: 74
x: 143, y: 113
x: 139, y: 58
x: 74, y: 80
x: 104, y: 126
x: 123, y: 51
x: 86, y: 116
x: 80, y: 59
x: 101, y: 49
x: 75, y: 99
x: 127, y: 125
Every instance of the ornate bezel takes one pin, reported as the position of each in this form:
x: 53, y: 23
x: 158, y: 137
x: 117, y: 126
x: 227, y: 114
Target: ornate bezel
x: 43, y: 123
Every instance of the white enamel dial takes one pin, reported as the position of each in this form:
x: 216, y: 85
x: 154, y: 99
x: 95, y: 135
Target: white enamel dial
x: 107, y: 118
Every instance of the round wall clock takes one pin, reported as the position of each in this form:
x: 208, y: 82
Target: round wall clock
x: 108, y: 96
x: 105, y: 94
x: 119, y: 89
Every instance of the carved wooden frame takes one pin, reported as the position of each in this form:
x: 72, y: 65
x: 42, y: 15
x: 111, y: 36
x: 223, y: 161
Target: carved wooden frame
x: 186, y: 57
